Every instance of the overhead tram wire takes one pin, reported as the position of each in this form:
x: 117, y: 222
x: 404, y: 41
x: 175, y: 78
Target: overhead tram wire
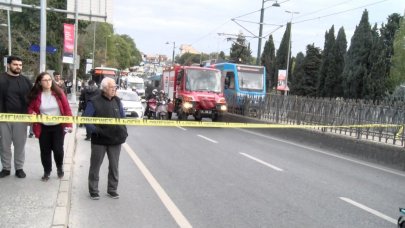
x: 319, y: 10
x: 209, y: 33
x: 233, y: 19
x: 340, y: 12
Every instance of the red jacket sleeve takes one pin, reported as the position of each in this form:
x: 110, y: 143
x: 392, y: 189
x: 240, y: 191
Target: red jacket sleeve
x: 65, y: 109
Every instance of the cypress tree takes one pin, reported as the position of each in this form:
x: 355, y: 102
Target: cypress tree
x: 311, y: 66
x: 298, y: 75
x: 357, y: 59
x: 374, y: 83
x: 282, y: 51
x: 326, y: 81
x: 339, y: 53
x: 397, y: 76
x: 387, y: 32
x: 268, y: 59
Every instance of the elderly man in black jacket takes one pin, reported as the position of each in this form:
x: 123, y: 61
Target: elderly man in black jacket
x: 105, y: 138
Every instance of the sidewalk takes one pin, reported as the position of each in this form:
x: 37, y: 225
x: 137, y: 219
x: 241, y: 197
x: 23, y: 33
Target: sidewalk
x: 29, y: 202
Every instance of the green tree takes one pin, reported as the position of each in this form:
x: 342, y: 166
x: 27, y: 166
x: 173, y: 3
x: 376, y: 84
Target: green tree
x: 222, y: 55
x: 336, y: 69
x: 240, y: 52
x: 311, y: 66
x: 333, y: 72
x: 268, y: 59
x: 374, y: 82
x: 188, y: 59
x: 397, y: 75
x: 29, y: 20
x: 357, y: 59
x: 387, y: 32
x: 328, y: 60
x: 296, y: 87
x: 282, y: 52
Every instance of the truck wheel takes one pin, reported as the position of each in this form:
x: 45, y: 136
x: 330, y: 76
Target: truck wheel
x: 197, y: 116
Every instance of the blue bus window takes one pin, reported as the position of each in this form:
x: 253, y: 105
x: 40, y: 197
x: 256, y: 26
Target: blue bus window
x: 230, y: 80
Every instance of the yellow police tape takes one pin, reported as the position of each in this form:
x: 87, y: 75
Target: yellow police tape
x: 27, y: 118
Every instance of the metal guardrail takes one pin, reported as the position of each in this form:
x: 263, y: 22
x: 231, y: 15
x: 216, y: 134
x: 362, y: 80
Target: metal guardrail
x: 294, y: 110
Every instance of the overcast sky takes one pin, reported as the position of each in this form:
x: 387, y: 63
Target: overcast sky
x: 197, y: 22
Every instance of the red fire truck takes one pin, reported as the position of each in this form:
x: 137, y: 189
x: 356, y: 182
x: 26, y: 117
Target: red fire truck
x: 196, y: 91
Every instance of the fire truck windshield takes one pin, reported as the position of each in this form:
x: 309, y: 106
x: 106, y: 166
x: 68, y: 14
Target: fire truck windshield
x: 203, y: 80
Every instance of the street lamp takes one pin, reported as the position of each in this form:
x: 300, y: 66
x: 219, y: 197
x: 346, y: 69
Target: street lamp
x: 289, y: 51
x: 94, y: 43
x: 259, y: 47
x: 174, y: 48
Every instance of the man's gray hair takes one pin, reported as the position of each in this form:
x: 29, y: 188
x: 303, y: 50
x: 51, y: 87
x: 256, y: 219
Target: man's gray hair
x: 104, y: 83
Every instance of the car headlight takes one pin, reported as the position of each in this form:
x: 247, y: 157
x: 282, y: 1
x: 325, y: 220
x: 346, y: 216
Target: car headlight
x: 223, y: 107
x: 187, y: 105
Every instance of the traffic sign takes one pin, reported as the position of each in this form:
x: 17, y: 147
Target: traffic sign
x: 49, y: 49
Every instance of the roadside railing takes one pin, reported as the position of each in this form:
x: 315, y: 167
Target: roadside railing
x: 343, y: 116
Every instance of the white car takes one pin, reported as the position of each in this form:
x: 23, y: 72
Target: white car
x: 132, y: 103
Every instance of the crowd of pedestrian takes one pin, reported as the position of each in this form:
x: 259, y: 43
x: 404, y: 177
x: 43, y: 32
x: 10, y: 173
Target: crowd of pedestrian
x: 48, y: 96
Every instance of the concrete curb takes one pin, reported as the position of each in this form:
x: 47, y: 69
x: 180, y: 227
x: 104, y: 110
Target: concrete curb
x: 63, y: 200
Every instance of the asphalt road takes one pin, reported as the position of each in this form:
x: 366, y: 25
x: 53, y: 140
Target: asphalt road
x: 171, y: 177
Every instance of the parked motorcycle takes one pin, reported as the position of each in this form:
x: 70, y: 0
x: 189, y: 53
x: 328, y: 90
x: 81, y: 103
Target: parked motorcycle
x: 161, y: 111
x: 151, y: 108
x: 401, y: 219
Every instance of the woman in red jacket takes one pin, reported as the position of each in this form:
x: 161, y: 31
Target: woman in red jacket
x: 46, y: 98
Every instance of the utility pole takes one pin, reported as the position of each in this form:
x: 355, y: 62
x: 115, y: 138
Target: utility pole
x: 259, y: 46
x: 42, y: 45
x: 94, y: 42
x: 289, y: 52
x: 174, y: 48
x: 75, y: 60
x: 9, y: 32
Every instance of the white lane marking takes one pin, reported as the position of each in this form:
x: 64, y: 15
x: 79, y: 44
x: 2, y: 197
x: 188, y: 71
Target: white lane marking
x: 329, y: 154
x: 206, y: 138
x: 169, y: 204
x: 370, y: 210
x: 262, y: 162
x: 182, y: 128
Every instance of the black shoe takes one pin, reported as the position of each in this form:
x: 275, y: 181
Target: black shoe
x: 4, y: 173
x: 60, y: 173
x: 30, y: 135
x: 88, y: 139
x: 94, y: 196
x: 20, y: 173
x: 45, y: 177
x: 113, y: 195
